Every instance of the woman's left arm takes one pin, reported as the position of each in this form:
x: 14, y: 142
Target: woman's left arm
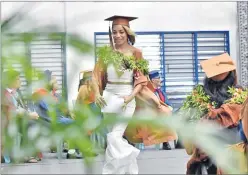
x: 140, y: 80
x: 135, y: 91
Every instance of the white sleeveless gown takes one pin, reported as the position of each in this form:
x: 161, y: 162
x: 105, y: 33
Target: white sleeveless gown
x: 120, y: 157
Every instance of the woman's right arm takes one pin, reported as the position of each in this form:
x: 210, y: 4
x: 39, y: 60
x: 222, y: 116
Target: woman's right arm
x: 95, y: 85
x: 98, y: 78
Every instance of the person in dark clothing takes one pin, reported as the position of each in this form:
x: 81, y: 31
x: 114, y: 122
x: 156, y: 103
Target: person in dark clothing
x: 220, y: 76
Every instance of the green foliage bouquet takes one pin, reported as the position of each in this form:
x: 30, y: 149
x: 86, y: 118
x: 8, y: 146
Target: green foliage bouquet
x: 238, y: 95
x: 199, y: 102
x: 121, y: 61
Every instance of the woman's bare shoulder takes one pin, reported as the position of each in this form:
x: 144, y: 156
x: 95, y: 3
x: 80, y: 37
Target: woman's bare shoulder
x: 136, y: 52
x: 135, y: 49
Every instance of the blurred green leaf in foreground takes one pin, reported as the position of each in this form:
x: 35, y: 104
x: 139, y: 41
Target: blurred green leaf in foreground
x: 41, y: 137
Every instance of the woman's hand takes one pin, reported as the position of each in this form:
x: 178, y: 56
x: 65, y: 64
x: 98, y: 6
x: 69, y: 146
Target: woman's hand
x: 213, y: 112
x: 33, y: 115
x: 127, y: 99
x: 100, y: 101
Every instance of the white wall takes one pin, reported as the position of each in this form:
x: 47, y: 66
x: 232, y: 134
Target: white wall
x: 153, y: 16
x: 85, y: 18
x: 36, y: 14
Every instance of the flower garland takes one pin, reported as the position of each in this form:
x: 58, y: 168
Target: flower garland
x: 197, y: 104
x: 238, y: 95
x: 121, y: 61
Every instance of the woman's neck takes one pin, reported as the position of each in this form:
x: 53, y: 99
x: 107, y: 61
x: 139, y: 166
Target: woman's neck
x: 123, y: 47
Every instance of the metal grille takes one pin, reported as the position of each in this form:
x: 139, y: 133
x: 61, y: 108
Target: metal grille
x: 43, y: 53
x: 209, y: 45
x: 177, y: 55
x: 179, y: 66
x: 13, y: 54
x: 47, y: 54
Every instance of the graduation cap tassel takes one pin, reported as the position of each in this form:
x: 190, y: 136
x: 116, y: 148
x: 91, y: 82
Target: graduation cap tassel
x: 111, y: 39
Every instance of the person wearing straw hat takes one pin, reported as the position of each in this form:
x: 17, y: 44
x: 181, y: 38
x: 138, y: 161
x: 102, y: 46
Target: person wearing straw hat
x: 220, y: 76
x: 86, y: 94
x: 86, y: 97
x: 118, y: 89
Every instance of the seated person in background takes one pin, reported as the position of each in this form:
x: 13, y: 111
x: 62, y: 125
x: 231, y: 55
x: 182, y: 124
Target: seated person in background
x: 156, y: 83
x: 13, y: 106
x: 45, y: 97
x: 42, y: 96
x: 86, y: 97
x: 85, y: 93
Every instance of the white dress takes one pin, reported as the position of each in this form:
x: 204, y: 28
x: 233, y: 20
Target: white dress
x: 120, y: 156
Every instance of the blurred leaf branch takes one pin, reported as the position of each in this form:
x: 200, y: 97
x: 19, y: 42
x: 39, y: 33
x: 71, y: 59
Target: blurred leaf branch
x: 41, y: 137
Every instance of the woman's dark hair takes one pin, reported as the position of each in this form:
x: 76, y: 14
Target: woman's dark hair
x: 83, y: 81
x: 46, y: 76
x: 217, y: 90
